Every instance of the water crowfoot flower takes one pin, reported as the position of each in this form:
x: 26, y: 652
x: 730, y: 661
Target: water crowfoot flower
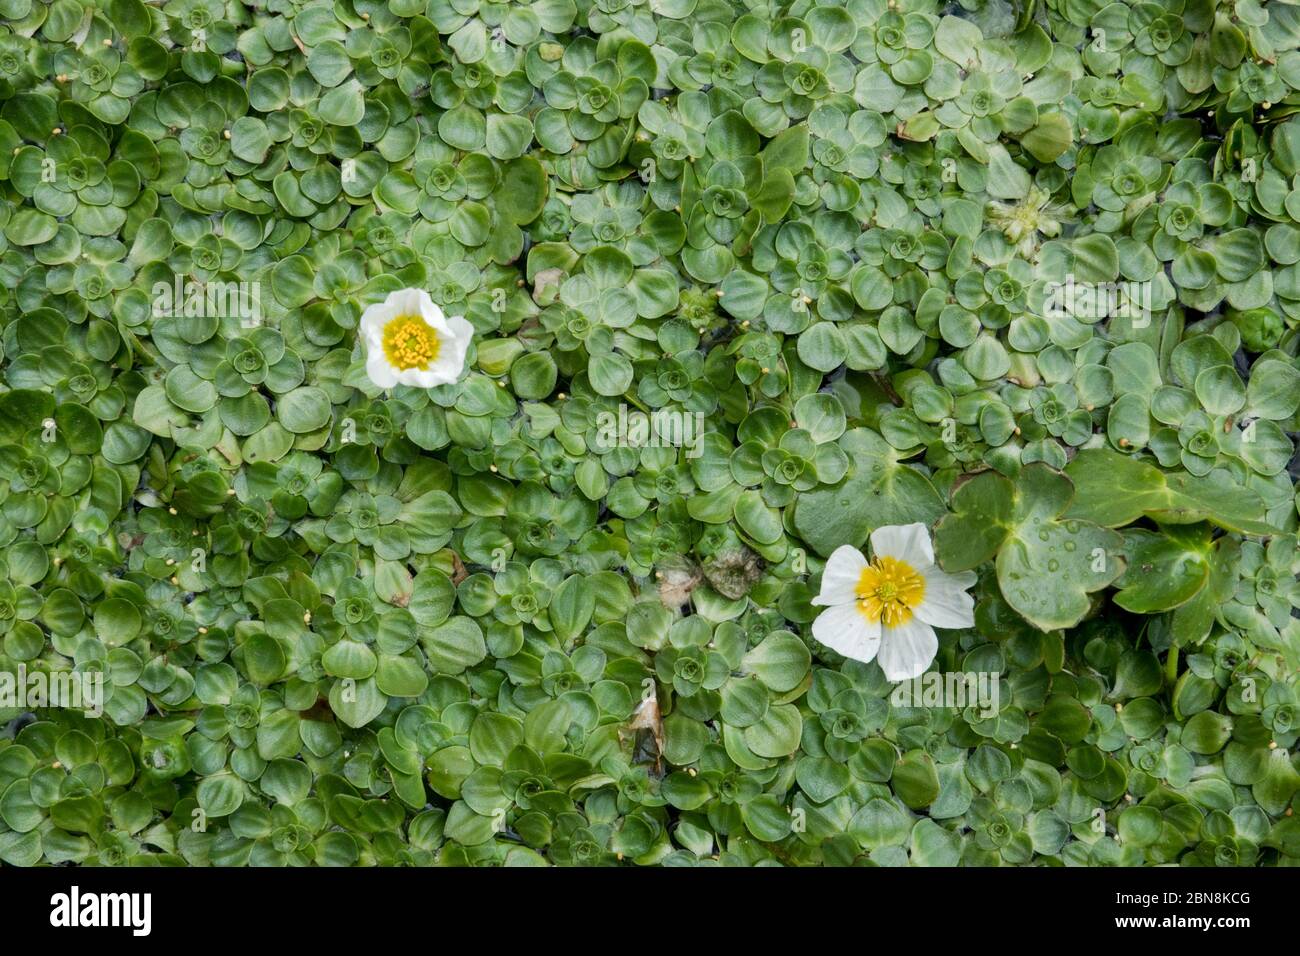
x: 888, y: 608
x: 409, y: 341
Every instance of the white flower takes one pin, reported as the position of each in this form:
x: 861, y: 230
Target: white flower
x: 889, y: 607
x: 408, y: 341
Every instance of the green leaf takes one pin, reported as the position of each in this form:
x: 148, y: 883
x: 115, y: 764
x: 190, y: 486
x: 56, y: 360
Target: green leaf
x: 1047, y: 565
x: 788, y: 150
x: 304, y: 409
x: 1049, y: 139
x: 879, y: 490
x: 1114, y: 490
x: 915, y: 779
x: 454, y: 646
x: 1164, y: 569
x: 780, y: 661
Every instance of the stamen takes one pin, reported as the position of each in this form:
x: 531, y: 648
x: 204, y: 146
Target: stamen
x: 889, y: 590
x: 409, y: 342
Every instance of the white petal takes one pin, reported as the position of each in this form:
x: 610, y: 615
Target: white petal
x: 429, y: 310
x: 373, y: 320
x: 455, y: 334
x: 418, y: 377
x: 459, y: 329
x: 843, y: 628
x: 842, y: 574
x: 909, y: 543
x: 436, y: 374
x: 907, y: 650
x: 450, y: 361
x: 946, y: 603
x: 380, y: 372
x: 409, y: 301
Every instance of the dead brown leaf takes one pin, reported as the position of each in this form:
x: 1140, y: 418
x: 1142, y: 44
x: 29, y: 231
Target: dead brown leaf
x: 646, y: 720
x: 676, y: 584
x: 459, y: 572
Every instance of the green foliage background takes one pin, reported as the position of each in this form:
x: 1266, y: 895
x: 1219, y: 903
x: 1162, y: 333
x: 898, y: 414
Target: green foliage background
x: 340, y: 626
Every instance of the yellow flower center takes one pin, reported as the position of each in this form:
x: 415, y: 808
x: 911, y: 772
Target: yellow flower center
x: 889, y: 591
x: 409, y: 342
